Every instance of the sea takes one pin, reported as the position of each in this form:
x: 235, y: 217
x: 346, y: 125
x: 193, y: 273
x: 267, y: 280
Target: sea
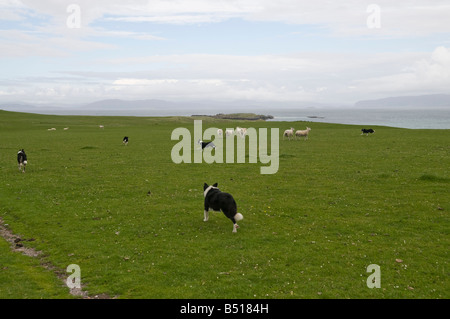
x: 429, y: 118
x: 411, y: 118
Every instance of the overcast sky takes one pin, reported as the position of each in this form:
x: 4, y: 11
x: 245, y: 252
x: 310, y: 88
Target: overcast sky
x: 339, y: 52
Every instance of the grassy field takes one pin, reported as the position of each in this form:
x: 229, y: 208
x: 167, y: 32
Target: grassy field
x: 133, y: 220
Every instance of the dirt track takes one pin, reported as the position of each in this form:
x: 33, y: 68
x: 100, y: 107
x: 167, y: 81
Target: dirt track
x: 17, y: 245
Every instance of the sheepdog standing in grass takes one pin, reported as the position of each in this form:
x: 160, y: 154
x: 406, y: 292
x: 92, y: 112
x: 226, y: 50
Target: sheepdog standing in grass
x: 22, y: 160
x: 125, y: 140
x: 206, y: 144
x: 367, y: 131
x: 219, y: 201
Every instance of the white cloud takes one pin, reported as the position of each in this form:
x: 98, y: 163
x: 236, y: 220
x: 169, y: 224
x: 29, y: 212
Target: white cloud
x: 346, y: 18
x: 338, y: 18
x: 426, y: 75
x: 349, y: 18
x: 174, y: 19
x: 324, y: 77
x: 39, y: 29
x: 143, y: 82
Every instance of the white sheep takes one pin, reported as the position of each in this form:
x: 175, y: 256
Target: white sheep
x: 288, y: 133
x: 241, y: 131
x: 303, y: 133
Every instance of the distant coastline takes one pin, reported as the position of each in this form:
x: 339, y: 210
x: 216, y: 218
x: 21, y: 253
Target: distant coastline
x: 238, y: 116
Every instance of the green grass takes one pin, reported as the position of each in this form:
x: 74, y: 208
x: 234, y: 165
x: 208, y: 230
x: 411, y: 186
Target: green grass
x: 23, y: 277
x: 338, y: 203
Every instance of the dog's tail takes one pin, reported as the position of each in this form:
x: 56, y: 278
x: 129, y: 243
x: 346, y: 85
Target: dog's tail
x: 238, y: 217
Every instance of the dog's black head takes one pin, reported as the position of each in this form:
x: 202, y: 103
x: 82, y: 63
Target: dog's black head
x: 205, y: 186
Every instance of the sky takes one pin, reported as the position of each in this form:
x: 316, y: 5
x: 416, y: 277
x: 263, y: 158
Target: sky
x: 332, y: 52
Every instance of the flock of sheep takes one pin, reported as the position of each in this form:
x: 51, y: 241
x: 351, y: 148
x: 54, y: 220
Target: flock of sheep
x: 294, y: 134
x: 66, y: 128
x: 242, y: 131
x: 239, y: 131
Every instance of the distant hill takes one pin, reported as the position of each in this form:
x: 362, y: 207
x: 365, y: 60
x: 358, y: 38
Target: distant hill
x: 155, y: 107
x: 431, y: 100
x: 238, y: 116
